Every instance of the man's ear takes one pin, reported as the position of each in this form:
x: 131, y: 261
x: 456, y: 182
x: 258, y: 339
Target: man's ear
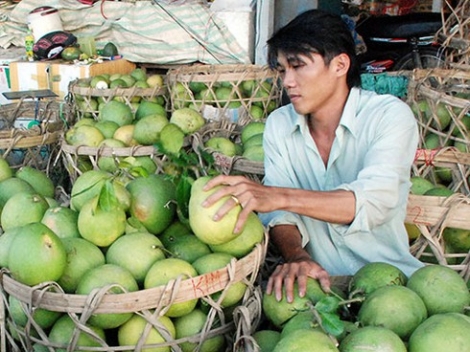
x: 341, y: 64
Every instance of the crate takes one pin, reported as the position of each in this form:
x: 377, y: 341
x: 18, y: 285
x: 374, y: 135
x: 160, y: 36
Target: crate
x: 232, y: 322
x: 233, y: 92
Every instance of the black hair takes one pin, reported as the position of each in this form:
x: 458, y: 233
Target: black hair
x: 320, y: 32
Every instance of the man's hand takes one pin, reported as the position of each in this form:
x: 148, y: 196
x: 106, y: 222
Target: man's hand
x: 286, y: 274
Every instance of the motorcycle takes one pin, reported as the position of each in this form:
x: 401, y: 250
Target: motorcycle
x: 401, y: 42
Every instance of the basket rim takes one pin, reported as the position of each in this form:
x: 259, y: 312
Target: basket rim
x: 120, y: 91
x: 192, y: 288
x: 137, y: 150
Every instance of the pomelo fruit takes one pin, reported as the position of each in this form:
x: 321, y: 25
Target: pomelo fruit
x: 23, y: 208
x: 125, y: 134
x: 153, y: 202
x: 36, y: 255
x: 5, y: 241
x: 62, y: 220
x: 107, y: 128
x: 155, y: 80
x: 302, y: 320
x: 397, y: 308
x: 441, y: 288
x: 101, y: 226
x: 130, y: 333
x: 12, y: 186
x: 173, y: 232
x: 136, y: 252
x: 116, y: 280
x: 197, y: 87
x: 192, y: 324
x: 85, y: 121
x: 279, y: 312
x: 149, y: 108
x: 254, y: 153
x: 5, y: 170
x: 187, y: 119
x: 84, y: 135
x: 374, y: 275
x: 117, y: 112
x: 145, y: 161
x: 21, y: 312
x: 266, y: 339
x: 419, y: 185
x: 439, y: 191
x: 257, y: 139
x: 306, y: 340
x: 251, y: 129
x: 440, y: 333
x: 82, y: 255
x: 162, y: 272
x: 171, y: 139
x: 372, y: 338
x: 147, y: 129
x: 201, y: 219
x: 240, y: 246
x: 64, y: 329
x: 222, y: 145
x: 458, y: 239
x: 139, y: 74
x: 38, y: 179
x: 87, y: 186
x: 234, y: 291
x: 187, y: 247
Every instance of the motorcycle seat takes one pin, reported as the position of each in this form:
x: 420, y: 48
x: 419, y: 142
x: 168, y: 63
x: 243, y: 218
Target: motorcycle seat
x: 403, y: 26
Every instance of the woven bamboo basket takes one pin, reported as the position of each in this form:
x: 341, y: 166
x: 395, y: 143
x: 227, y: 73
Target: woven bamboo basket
x: 440, y: 101
x: 228, y: 165
x: 148, y: 303
x: 432, y: 216
x: 30, y: 132
x: 228, y: 92
x: 85, y: 100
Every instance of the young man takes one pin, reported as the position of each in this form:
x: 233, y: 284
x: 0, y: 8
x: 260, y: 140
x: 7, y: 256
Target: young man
x: 337, y: 162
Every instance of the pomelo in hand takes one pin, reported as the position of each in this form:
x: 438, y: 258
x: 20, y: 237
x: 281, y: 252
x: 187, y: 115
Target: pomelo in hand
x: 374, y: 275
x: 136, y: 252
x: 163, y: 271
x: 117, y: 280
x: 130, y: 333
x: 441, y: 288
x: 372, y: 338
x: 201, y: 218
x: 397, y: 308
x: 306, y: 340
x: 36, y: 255
x: 441, y: 333
x: 23, y: 208
x: 82, y: 255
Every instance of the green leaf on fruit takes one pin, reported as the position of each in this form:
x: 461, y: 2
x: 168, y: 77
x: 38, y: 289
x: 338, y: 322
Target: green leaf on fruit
x: 107, y: 198
x: 331, y: 323
x: 328, y: 304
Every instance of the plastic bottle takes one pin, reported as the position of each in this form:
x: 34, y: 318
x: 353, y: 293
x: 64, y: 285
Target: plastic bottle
x: 29, y: 43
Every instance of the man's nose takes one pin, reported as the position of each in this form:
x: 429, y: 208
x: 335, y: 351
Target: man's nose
x: 288, y: 79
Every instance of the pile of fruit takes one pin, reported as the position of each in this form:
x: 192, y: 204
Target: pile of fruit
x: 380, y: 310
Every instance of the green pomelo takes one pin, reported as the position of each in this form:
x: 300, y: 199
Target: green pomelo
x: 84, y: 135
x: 153, y: 202
x: 374, y: 275
x: 21, y: 313
x: 115, y: 279
x: 147, y: 108
x: 193, y: 324
x: 86, y: 121
x: 12, y: 186
x: 444, y: 174
x: 64, y: 329
x: 254, y: 153
x: 439, y: 191
x: 87, y: 186
x: 38, y: 179
x: 117, y: 112
x: 232, y: 293
x: 187, y: 119
x: 458, y: 239
x: 155, y: 80
x: 440, y: 333
x: 23, y: 208
x: 36, y: 255
x: 107, y: 128
x: 257, y: 139
x: 101, y: 226
x: 372, y: 338
x: 145, y: 161
x: 279, y: 312
x: 302, y: 320
x: 266, y: 339
x: 128, y: 79
x: 201, y: 219
x: 5, y: 241
x: 222, y: 145
x: 251, y: 235
x: 163, y: 271
x: 397, y: 308
x: 187, y: 247
x: 5, y: 170
x: 419, y: 185
x: 441, y: 288
x: 82, y: 255
x: 197, y: 87
x: 147, y: 129
x: 306, y: 340
x: 126, y: 135
x: 136, y: 252
x: 442, y: 117
x: 139, y: 74
x: 130, y: 333
x: 251, y: 129
x: 171, y: 138
x: 256, y: 112
x: 62, y: 220
x: 175, y: 230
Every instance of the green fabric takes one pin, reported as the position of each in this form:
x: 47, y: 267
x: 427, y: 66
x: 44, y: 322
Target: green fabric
x: 384, y: 83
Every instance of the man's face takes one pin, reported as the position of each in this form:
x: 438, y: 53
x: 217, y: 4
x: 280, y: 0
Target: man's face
x: 308, y: 81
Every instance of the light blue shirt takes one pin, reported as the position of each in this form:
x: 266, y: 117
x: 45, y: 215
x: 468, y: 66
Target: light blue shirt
x: 371, y: 156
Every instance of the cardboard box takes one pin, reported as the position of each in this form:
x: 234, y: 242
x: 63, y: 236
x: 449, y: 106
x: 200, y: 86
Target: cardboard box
x: 57, y: 74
